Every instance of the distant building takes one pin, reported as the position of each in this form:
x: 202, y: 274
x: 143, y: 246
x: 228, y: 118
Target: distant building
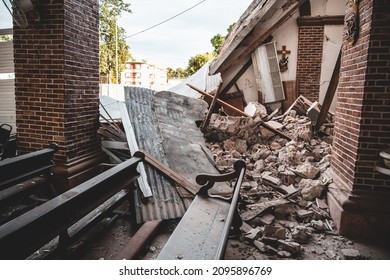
x: 142, y: 74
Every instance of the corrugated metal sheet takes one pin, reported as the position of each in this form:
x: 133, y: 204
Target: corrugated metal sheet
x: 7, y: 85
x: 166, y: 202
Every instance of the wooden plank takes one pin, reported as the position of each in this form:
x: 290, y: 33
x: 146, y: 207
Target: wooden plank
x: 259, y: 33
x: 291, y: 94
x: 330, y: 92
x: 233, y: 81
x: 133, y: 248
x: 117, y: 145
x: 255, y: 12
x: 223, y: 103
x: 211, y: 108
x: 133, y: 146
x: 170, y: 173
x: 270, y: 128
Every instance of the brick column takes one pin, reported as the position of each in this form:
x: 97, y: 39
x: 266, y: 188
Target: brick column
x: 57, y: 83
x: 310, y: 45
x: 359, y: 198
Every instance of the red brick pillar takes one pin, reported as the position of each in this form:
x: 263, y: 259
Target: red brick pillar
x: 57, y: 84
x: 310, y: 45
x: 359, y: 198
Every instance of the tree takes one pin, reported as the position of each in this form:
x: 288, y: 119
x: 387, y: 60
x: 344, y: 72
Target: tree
x: 114, y: 52
x: 197, y: 61
x: 6, y: 38
x: 218, y: 40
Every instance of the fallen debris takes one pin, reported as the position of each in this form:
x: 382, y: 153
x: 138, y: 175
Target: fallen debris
x: 283, y: 198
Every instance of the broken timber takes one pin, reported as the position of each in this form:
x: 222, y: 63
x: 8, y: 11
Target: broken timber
x: 203, y: 231
x: 270, y: 128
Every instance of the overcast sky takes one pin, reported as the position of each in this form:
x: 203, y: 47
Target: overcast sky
x: 174, y: 42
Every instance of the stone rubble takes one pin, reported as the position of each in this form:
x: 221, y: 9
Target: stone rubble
x: 284, y: 192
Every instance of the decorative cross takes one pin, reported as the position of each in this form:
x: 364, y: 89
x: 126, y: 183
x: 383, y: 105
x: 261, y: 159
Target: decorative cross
x: 283, y: 62
x: 284, y: 52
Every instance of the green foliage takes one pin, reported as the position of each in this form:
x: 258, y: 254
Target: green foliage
x: 197, y: 61
x: 218, y: 40
x: 112, y: 37
x: 176, y: 74
x: 6, y: 38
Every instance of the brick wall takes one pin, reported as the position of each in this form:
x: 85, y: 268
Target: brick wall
x: 363, y: 106
x: 57, y: 78
x: 310, y: 45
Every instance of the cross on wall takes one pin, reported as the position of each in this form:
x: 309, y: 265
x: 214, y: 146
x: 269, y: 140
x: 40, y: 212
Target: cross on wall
x: 283, y: 62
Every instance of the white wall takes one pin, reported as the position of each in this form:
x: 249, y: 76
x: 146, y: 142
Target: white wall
x: 287, y: 35
x: 327, y: 7
x: 332, y: 44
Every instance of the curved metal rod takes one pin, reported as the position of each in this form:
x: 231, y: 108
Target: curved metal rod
x: 207, y: 180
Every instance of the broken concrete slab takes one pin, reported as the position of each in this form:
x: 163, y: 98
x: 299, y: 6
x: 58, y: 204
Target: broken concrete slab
x: 258, y: 208
x: 276, y: 232
x: 311, y: 188
x: 290, y: 246
x: 307, y: 170
x: 301, y: 234
x: 303, y: 214
x: 350, y: 254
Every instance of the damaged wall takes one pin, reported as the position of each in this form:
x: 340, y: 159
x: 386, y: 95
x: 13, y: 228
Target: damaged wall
x: 311, y: 40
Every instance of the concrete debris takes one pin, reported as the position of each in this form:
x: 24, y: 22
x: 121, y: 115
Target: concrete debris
x: 330, y: 254
x: 290, y: 246
x: 283, y: 198
x: 255, y: 109
x: 350, y: 254
x: 311, y: 188
x: 318, y: 225
x: 307, y: 170
x: 254, y: 233
x: 303, y: 214
x: 301, y: 234
x: 276, y: 232
x: 284, y: 254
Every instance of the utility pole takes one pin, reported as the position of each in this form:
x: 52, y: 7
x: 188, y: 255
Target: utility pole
x: 116, y: 50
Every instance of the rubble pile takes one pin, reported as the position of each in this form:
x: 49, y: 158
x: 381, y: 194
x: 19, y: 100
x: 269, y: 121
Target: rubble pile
x: 283, y: 196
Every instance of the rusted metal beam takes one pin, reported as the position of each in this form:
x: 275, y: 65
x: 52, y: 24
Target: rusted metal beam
x: 136, y: 244
x: 265, y: 125
x: 170, y: 173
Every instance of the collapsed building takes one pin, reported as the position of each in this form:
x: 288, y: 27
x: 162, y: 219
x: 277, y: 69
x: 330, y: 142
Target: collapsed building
x: 304, y: 104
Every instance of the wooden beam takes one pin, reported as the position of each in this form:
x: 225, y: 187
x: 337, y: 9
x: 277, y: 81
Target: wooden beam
x: 236, y: 77
x: 223, y: 103
x: 247, y: 22
x: 330, y: 92
x: 137, y: 243
x: 171, y: 174
x: 255, y: 39
x: 211, y: 108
